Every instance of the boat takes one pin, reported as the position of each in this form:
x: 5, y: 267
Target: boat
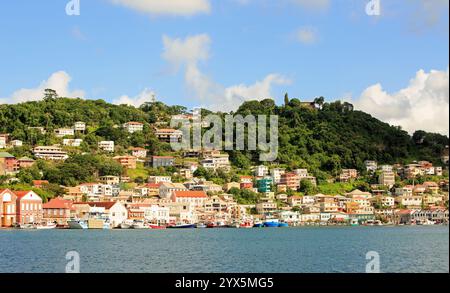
x: 283, y: 225
x: 77, y: 224
x: 126, y: 224
x: 201, y: 226
x: 139, y: 225
x: 271, y: 223
x: 211, y: 225
x: 246, y: 225
x: 27, y: 226
x: 354, y: 222
x: 258, y: 225
x: 182, y: 226
x: 46, y: 226
x: 156, y: 227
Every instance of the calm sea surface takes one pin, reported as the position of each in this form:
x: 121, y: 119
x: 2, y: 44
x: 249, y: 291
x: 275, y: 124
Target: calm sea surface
x: 296, y: 250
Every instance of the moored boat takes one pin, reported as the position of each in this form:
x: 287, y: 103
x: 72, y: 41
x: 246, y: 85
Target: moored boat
x: 27, y: 226
x: 126, y: 224
x: 182, y: 226
x: 157, y: 227
x: 201, y: 226
x: 283, y: 225
x: 139, y: 225
x: 46, y: 226
x: 246, y: 225
x: 271, y: 223
x: 77, y: 224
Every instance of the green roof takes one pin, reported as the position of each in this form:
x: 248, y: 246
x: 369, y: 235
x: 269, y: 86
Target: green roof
x: 6, y: 155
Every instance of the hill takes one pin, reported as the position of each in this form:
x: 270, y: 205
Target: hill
x: 324, y: 137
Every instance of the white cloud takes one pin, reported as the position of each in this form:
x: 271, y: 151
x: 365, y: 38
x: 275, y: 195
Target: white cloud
x: 58, y: 81
x: 145, y: 96
x: 423, y: 105
x: 187, y: 53
x: 306, y: 35
x: 167, y: 7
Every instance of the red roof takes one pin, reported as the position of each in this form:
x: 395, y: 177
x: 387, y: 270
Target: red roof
x: 58, y: 203
x: 22, y: 193
x: 40, y: 182
x: 196, y: 194
x: 153, y: 185
x: 106, y: 205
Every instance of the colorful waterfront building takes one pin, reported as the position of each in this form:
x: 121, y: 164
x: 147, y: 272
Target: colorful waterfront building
x: 58, y: 210
x: 7, y: 208
x: 28, y: 207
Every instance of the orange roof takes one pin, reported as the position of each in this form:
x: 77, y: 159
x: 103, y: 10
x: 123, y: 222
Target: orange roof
x: 40, y: 182
x: 22, y: 193
x: 106, y: 205
x: 134, y: 123
x: 153, y: 185
x: 58, y: 203
x: 166, y: 130
x: 196, y: 194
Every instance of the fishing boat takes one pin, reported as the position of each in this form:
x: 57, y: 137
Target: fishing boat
x: 271, y: 223
x: 46, y: 226
x: 127, y: 224
x: 77, y: 224
x: 182, y: 226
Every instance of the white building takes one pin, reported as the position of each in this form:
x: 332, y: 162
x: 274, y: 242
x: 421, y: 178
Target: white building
x: 139, y: 153
x: 50, y: 153
x: 72, y: 142
x: 159, y: 179
x: 276, y: 175
x: 166, y: 189
x: 261, y: 171
x: 62, y: 132
x: 157, y: 215
x: 371, y: 166
x: 301, y: 173
x: 387, y: 178
x: 79, y: 126
x: 116, y: 212
x: 16, y: 143
x: 132, y: 127
x: 107, y: 146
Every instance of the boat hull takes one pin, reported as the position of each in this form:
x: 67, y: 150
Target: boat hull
x: 187, y: 226
x: 77, y: 225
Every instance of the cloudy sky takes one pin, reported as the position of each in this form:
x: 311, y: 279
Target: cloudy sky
x: 219, y: 53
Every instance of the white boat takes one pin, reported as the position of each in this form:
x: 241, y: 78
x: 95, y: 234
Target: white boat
x: 46, y: 226
x: 77, y: 224
x: 27, y: 226
x: 127, y: 224
x: 139, y: 225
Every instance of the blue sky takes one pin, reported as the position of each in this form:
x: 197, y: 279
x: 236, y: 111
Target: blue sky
x: 115, y: 51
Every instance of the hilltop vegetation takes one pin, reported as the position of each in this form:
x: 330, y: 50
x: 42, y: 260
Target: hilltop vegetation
x: 324, y: 139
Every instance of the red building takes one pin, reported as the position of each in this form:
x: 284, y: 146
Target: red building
x: 28, y: 207
x: 290, y: 180
x: 58, y: 210
x: 7, y: 208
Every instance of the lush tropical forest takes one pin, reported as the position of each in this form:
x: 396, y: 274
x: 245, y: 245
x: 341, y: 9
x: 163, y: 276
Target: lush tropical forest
x: 322, y: 137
